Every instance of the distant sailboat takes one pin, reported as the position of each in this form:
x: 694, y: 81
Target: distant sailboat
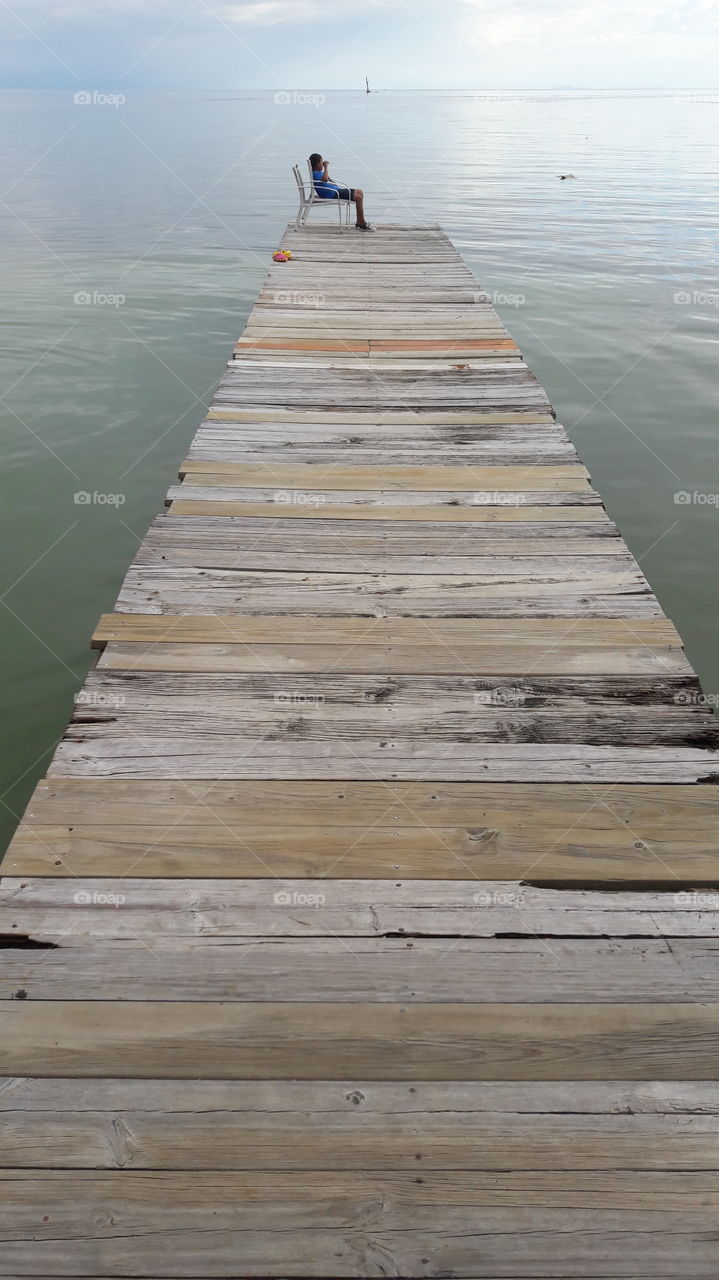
x: 367, y: 83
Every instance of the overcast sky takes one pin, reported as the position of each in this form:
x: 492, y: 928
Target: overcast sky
x: 278, y: 44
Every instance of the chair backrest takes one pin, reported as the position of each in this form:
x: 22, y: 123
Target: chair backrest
x: 300, y: 182
x: 313, y: 189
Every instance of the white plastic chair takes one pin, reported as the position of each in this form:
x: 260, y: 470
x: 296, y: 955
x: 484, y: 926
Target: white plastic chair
x: 309, y: 199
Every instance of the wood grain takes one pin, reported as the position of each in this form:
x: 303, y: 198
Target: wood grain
x: 378, y: 1041
x: 388, y: 970
x: 212, y: 912
x: 630, y: 1225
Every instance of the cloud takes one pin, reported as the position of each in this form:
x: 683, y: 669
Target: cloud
x: 602, y: 20
x: 605, y: 22
x: 274, y: 12
x: 242, y: 12
x: 431, y: 43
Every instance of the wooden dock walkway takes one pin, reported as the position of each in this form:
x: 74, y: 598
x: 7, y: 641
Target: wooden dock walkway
x: 365, y: 924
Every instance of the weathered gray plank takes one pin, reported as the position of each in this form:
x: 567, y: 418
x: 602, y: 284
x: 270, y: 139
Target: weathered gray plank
x: 69, y: 911
x: 424, y: 970
x: 172, y: 581
x: 146, y: 1124
x: 646, y: 1225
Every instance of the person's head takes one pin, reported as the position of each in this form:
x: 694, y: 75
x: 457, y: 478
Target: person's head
x: 316, y: 160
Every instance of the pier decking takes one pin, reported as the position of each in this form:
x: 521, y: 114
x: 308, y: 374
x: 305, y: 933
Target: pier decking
x: 365, y: 924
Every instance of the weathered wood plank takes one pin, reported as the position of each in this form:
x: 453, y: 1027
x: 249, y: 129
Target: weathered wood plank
x: 139, y: 754
x: 566, y: 854
x: 379, y: 1041
x: 687, y: 812
x: 354, y: 1096
x: 627, y: 1225
x: 324, y: 536
x: 506, y: 568
x: 285, y: 1125
x: 311, y: 506
x: 177, y: 581
x: 458, y: 346
x: 350, y: 705
x: 499, y: 446
x: 210, y: 912
x: 403, y: 1204
x: 436, y: 416
x: 640, y: 660
x: 554, y: 505
x: 556, y: 633
x: 420, y: 970
x: 546, y: 833
x: 330, y: 447
x: 195, y: 724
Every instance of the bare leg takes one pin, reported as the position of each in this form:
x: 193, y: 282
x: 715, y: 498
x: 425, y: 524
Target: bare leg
x: 359, y: 201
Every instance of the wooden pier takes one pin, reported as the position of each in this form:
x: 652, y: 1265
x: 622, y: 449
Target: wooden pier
x: 365, y: 924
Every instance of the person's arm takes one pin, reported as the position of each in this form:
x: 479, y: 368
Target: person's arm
x: 335, y: 182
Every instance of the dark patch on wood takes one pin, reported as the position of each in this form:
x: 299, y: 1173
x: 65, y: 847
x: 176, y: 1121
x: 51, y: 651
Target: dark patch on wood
x: 23, y: 942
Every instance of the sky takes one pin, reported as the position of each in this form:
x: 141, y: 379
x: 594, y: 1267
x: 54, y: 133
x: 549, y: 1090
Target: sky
x: 204, y: 45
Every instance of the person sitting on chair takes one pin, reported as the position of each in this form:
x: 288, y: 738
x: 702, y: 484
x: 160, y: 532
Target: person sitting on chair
x: 326, y: 189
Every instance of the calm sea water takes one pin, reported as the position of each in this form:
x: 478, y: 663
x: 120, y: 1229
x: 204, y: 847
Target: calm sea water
x: 173, y: 204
